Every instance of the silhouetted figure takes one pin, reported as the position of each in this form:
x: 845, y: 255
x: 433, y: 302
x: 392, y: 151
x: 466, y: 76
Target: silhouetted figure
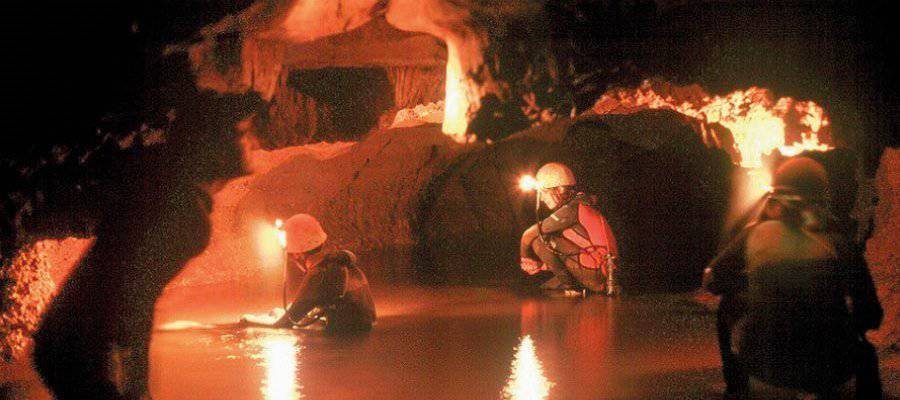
x: 796, y: 306
x: 94, y: 339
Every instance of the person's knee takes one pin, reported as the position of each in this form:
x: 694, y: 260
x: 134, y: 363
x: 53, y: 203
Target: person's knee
x: 539, y: 248
x: 545, y: 254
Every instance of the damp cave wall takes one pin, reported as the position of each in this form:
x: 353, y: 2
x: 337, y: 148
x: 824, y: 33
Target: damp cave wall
x: 663, y: 192
x: 836, y: 54
x: 340, y: 104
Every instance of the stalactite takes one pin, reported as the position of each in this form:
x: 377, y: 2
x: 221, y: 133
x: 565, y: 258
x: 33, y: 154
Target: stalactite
x: 416, y: 85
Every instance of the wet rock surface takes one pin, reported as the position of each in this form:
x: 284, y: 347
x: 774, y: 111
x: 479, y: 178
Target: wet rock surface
x: 25, y: 289
x: 883, y: 248
x: 664, y: 193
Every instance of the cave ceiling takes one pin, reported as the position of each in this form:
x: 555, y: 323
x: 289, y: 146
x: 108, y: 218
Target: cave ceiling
x: 88, y: 80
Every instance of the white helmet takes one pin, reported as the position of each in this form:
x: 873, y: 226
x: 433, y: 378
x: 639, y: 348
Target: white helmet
x: 554, y: 174
x: 303, y: 233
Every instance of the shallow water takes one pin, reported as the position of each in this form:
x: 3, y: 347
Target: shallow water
x: 456, y: 344
x: 443, y: 343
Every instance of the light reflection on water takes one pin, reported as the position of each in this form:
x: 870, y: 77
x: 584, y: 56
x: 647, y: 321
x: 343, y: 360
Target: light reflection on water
x: 526, y: 380
x: 277, y: 353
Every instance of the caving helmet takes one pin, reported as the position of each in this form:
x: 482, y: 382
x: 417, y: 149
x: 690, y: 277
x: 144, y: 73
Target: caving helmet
x: 800, y: 179
x: 555, y: 174
x: 303, y: 233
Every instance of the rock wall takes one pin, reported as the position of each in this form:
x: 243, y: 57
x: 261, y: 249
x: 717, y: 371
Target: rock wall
x: 415, y: 205
x: 664, y: 193
x: 883, y: 248
x: 25, y: 290
x: 364, y: 194
x: 335, y: 104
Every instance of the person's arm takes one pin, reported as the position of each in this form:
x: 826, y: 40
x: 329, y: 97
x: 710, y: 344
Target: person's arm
x: 561, y: 219
x: 528, y: 237
x: 866, y: 309
x: 321, y: 287
x: 727, y: 273
x: 309, y: 296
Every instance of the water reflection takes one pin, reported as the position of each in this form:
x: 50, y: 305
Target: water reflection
x: 526, y: 380
x: 278, y: 355
x: 577, y: 342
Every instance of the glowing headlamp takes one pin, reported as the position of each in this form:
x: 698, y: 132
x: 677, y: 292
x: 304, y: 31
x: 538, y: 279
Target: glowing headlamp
x: 282, y: 235
x: 527, y: 183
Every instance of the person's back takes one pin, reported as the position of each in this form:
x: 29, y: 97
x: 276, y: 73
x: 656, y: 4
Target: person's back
x: 797, y: 332
x: 340, y: 290
x: 582, y: 235
x: 797, y: 297
x: 105, y: 308
x: 348, y: 306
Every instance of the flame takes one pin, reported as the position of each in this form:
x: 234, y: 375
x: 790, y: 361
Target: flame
x: 456, y: 104
x: 758, y: 122
x: 527, y: 380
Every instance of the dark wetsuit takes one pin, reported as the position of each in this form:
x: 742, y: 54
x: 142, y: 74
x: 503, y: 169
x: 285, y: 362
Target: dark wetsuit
x: 784, y: 316
x: 573, y: 242
x: 94, y: 339
x: 338, y: 288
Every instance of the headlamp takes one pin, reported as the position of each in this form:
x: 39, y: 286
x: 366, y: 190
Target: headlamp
x: 527, y: 183
x: 282, y: 235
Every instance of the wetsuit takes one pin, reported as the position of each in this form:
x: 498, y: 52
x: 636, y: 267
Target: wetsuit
x: 785, y: 318
x: 340, y: 291
x: 93, y: 341
x: 727, y: 279
x: 573, y: 243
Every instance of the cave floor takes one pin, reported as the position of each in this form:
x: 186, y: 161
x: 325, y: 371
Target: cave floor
x: 442, y: 343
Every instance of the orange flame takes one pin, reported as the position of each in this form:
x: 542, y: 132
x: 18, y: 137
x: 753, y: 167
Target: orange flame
x: 758, y: 122
x: 456, y: 104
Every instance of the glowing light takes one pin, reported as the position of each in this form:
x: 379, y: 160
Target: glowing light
x: 758, y: 122
x: 808, y: 142
x: 267, y: 243
x: 750, y: 185
x: 526, y: 380
x: 760, y: 182
x: 183, y: 325
x: 280, y: 361
x: 527, y: 183
x: 282, y: 235
x: 456, y: 104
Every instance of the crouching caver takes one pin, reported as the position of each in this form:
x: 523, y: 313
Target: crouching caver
x: 575, y: 243
x: 332, y: 287
x: 797, y: 297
